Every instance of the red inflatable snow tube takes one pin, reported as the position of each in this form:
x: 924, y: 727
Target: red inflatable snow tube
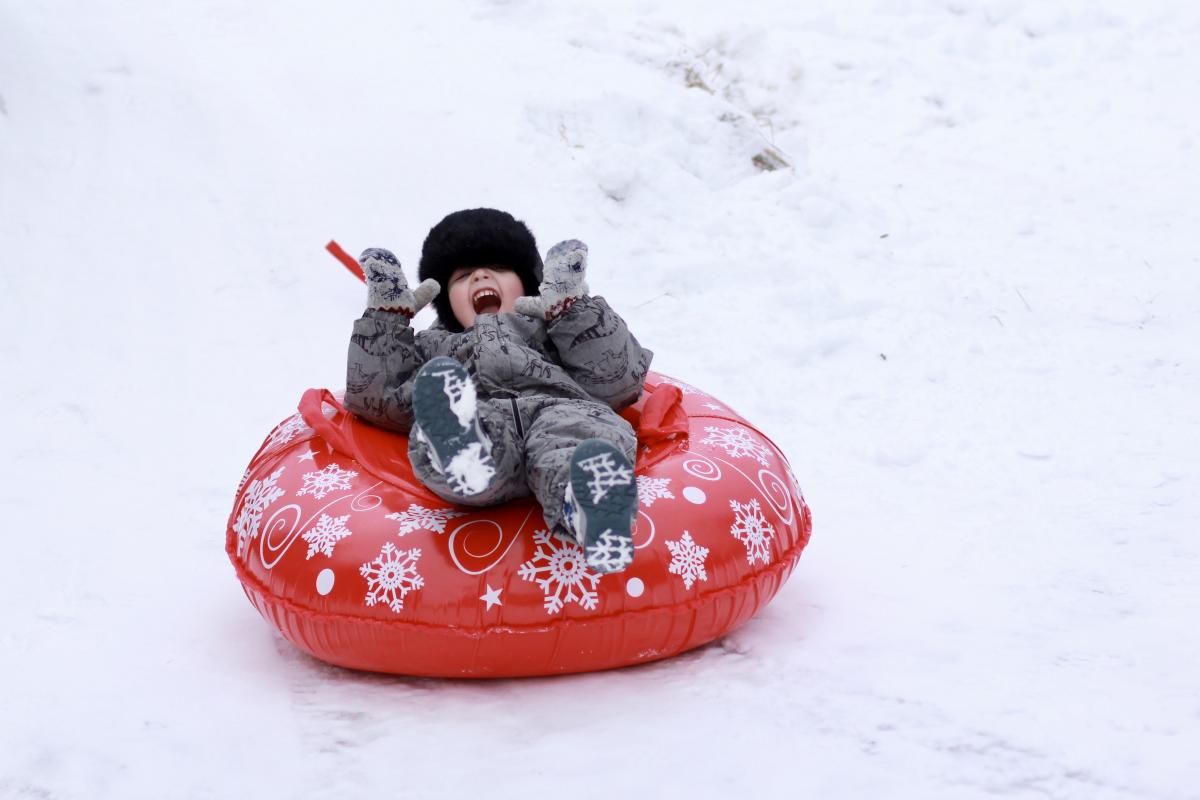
x: 355, y: 562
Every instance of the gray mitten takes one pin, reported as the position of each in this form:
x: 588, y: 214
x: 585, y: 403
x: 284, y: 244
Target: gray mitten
x: 562, y: 281
x: 387, y: 288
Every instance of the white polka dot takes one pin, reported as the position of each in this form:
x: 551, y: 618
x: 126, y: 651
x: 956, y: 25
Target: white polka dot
x: 635, y: 587
x: 325, y: 581
x: 694, y: 494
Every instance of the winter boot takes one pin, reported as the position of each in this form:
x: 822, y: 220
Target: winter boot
x: 600, y: 505
x: 446, y: 421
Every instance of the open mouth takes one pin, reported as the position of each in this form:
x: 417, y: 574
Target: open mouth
x: 486, y: 301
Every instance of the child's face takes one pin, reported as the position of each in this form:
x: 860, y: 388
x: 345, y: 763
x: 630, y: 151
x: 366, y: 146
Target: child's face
x: 483, y: 290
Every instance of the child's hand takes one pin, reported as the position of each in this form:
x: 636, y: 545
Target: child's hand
x: 386, y: 287
x: 562, y: 281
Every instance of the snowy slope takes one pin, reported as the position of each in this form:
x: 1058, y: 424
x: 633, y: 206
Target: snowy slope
x: 967, y: 309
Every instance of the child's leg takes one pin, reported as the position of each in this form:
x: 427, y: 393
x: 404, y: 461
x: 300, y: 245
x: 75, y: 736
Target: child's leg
x: 557, y: 427
x: 465, y: 451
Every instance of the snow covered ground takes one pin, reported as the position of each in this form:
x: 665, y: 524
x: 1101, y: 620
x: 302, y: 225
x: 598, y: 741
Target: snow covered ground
x: 966, y: 303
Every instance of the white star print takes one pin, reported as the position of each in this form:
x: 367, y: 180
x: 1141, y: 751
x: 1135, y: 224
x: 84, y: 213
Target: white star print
x: 309, y: 456
x: 491, y: 597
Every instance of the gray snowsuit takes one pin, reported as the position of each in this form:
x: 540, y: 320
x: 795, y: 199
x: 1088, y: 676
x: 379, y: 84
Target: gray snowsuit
x: 541, y: 387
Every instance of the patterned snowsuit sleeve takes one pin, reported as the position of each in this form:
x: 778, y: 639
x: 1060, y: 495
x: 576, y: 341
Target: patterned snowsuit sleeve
x: 599, y: 352
x: 384, y: 357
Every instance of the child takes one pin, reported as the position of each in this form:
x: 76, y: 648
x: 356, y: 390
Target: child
x: 514, y: 389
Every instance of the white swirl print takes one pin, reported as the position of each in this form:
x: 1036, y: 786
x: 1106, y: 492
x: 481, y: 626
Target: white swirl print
x: 279, y: 536
x: 638, y: 529
x: 702, y: 467
x: 769, y: 485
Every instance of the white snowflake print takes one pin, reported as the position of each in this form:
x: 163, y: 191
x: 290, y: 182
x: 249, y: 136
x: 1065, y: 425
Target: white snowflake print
x: 331, y: 479
x: 259, y: 495
x: 752, y: 529
x: 735, y: 442
x: 391, y: 576
x: 287, y: 430
x: 651, y: 489
x: 605, y: 474
x: 687, y: 560
x: 421, y: 518
x: 325, y: 534
x: 559, y: 568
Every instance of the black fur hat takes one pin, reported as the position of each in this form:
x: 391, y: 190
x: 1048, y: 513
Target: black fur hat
x: 478, y: 237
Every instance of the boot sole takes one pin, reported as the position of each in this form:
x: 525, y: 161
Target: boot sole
x: 606, y: 505
x: 449, y: 440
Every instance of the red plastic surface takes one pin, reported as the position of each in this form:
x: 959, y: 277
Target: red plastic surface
x: 339, y: 545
